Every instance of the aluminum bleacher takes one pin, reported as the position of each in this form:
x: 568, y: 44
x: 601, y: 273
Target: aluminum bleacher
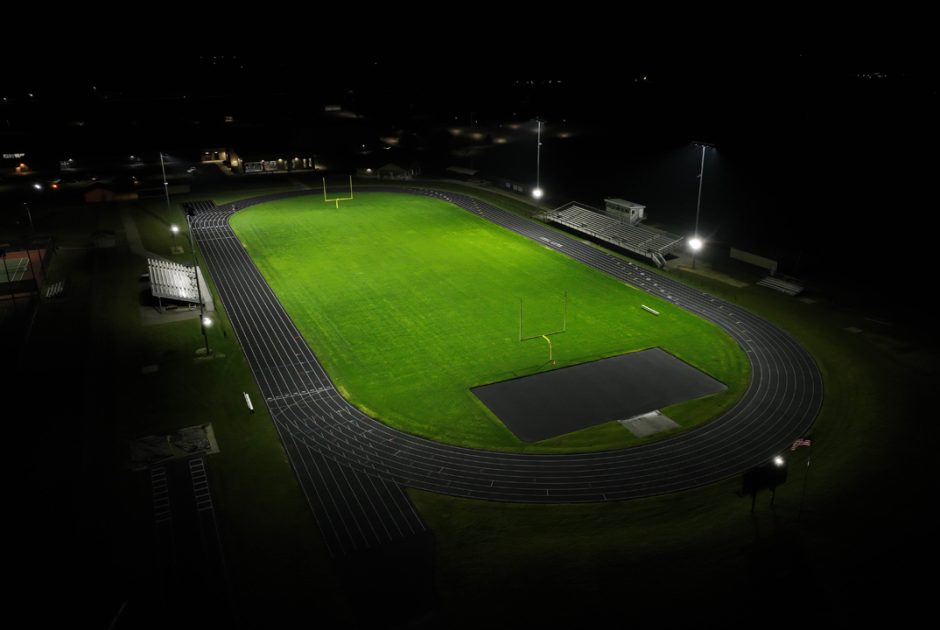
x: 639, y: 239
x: 172, y: 281
x: 778, y: 284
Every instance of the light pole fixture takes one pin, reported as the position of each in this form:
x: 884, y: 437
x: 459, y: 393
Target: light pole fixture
x: 192, y: 245
x: 537, y: 192
x: 696, y: 243
x: 166, y: 184
x: 174, y: 230
x: 206, y: 323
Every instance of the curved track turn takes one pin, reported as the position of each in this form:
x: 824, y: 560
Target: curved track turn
x: 353, y: 468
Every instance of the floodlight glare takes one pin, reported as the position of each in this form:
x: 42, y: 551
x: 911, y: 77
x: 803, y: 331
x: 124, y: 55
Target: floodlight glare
x: 175, y: 229
x: 537, y: 193
x: 37, y: 186
x: 695, y: 243
x: 778, y: 460
x: 206, y: 321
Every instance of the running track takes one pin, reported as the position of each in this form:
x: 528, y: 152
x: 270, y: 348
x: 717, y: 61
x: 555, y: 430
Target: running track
x: 353, y: 469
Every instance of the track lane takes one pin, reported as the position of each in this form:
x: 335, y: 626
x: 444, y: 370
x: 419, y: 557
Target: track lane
x: 353, y: 468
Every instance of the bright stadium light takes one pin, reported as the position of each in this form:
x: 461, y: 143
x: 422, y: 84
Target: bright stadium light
x: 206, y: 322
x: 698, y: 204
x: 695, y: 243
x: 537, y: 192
x: 778, y: 461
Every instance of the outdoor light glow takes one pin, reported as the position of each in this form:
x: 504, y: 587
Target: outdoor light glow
x: 537, y: 193
x: 695, y: 243
x: 778, y: 460
x: 175, y: 229
x: 208, y: 322
x: 37, y: 186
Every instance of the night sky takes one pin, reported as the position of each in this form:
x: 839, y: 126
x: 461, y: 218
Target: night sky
x: 830, y: 130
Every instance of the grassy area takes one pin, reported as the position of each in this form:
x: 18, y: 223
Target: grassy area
x: 863, y: 534
x: 90, y: 348
x: 701, y: 554
x: 409, y: 302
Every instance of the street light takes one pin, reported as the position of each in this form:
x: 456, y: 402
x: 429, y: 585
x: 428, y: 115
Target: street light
x: 174, y: 230
x: 538, y: 192
x: 778, y: 461
x: 696, y: 242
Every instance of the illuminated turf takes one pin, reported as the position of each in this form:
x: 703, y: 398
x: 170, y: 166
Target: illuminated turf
x: 409, y: 302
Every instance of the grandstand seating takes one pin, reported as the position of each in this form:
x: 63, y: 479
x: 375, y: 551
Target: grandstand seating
x: 639, y: 239
x: 172, y: 281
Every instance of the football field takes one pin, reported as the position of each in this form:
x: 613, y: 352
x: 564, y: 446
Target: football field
x: 409, y: 302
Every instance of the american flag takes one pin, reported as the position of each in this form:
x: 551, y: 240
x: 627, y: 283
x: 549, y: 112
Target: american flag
x: 801, y: 442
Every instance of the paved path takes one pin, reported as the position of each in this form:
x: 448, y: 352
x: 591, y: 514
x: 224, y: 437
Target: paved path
x: 353, y: 468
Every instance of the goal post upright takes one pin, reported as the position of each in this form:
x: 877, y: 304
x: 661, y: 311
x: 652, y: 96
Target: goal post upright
x: 338, y: 199
x: 547, y: 335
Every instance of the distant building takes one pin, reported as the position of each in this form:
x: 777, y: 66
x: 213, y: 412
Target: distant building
x: 389, y: 171
x: 214, y: 155
x: 394, y: 171
x: 13, y: 163
x: 269, y: 162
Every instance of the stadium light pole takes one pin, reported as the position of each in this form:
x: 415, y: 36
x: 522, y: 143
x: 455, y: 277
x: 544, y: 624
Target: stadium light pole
x: 696, y: 242
x: 192, y: 246
x: 538, y: 192
x: 166, y: 184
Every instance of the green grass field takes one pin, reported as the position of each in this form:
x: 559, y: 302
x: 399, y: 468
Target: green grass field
x: 410, y: 302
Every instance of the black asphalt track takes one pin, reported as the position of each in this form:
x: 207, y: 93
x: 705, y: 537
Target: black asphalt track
x: 553, y: 403
x: 353, y: 468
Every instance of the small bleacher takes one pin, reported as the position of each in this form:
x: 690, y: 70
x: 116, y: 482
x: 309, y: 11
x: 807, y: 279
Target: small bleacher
x: 172, y: 281
x: 784, y: 286
x: 54, y: 290
x: 639, y: 239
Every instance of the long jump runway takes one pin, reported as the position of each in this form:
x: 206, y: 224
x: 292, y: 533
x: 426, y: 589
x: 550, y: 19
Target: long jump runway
x: 353, y: 469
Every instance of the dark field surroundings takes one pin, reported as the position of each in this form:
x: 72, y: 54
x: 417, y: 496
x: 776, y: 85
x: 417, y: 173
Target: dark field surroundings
x: 149, y: 495
x: 489, y: 554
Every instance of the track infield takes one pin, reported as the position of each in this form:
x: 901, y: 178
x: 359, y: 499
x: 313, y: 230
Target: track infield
x: 410, y: 301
